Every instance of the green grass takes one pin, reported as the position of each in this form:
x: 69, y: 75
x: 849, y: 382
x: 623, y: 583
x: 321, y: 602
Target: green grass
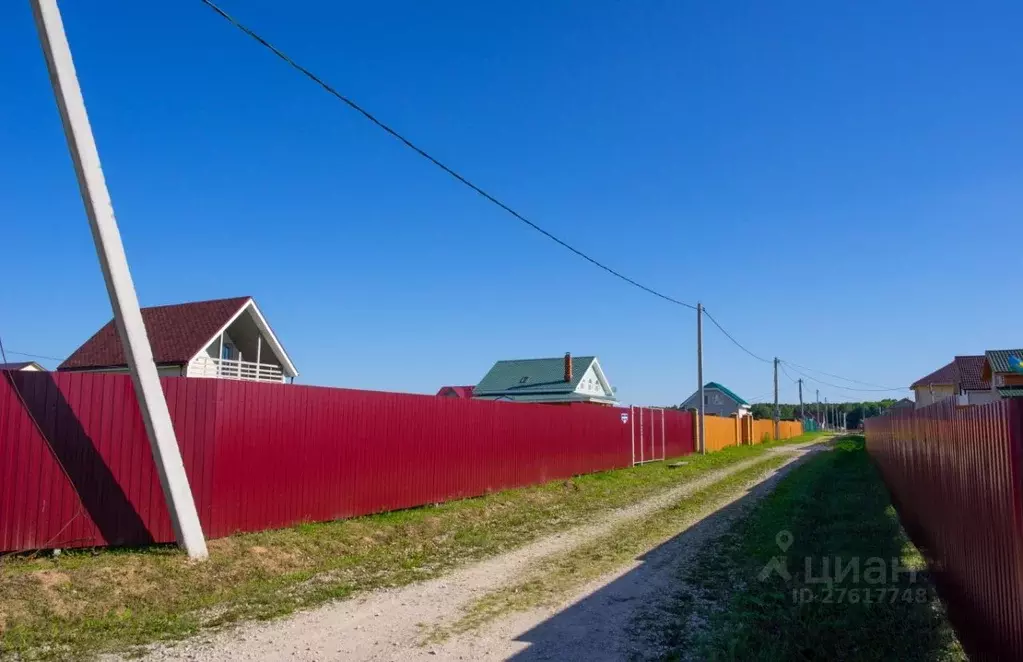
x: 90, y: 601
x: 834, y: 505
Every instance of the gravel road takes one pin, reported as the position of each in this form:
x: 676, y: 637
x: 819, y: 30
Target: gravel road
x: 390, y: 624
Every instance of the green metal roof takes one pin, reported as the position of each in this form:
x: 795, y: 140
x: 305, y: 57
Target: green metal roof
x: 1011, y: 392
x: 530, y: 376
x: 726, y: 391
x: 999, y: 359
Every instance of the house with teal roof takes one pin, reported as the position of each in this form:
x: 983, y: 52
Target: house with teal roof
x: 718, y: 400
x: 553, y: 381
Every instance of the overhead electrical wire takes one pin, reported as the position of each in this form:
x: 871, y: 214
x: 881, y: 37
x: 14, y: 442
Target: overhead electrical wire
x: 81, y: 508
x: 730, y: 337
x: 33, y: 356
x: 791, y: 379
x: 477, y: 189
x: 426, y: 155
x: 845, y: 379
x: 845, y: 388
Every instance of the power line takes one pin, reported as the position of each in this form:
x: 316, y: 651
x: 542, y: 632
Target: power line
x: 759, y: 398
x: 465, y: 181
x: 729, y: 336
x: 426, y: 155
x: 34, y: 356
x: 782, y: 365
x: 845, y: 388
x: 845, y: 379
x: 14, y: 385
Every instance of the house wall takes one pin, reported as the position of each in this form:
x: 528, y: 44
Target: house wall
x: 244, y: 335
x: 718, y: 403
x: 213, y: 350
x: 980, y: 397
x: 161, y: 370
x: 928, y: 395
x: 590, y: 385
x: 1007, y: 379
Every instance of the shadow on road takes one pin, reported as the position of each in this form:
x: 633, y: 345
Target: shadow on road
x: 852, y: 519
x: 598, y: 626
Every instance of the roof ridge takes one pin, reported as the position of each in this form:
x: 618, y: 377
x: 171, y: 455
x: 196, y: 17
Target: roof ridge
x: 193, y: 303
x: 550, y: 358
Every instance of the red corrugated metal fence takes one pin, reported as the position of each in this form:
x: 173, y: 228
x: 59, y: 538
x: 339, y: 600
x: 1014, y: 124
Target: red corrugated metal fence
x: 76, y: 470
x: 954, y: 474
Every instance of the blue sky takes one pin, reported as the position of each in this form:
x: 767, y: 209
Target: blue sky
x: 786, y: 163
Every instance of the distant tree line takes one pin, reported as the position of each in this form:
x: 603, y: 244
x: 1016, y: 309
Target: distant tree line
x: 855, y: 411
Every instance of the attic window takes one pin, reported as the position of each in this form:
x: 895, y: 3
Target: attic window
x: 524, y: 380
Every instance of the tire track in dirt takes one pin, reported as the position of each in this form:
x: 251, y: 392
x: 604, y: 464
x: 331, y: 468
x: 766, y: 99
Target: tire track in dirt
x: 390, y: 624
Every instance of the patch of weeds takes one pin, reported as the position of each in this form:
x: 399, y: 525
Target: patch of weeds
x: 829, y: 519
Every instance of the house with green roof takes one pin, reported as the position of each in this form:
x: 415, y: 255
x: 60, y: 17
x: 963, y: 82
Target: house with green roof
x: 1006, y: 379
x: 718, y: 400
x: 556, y: 381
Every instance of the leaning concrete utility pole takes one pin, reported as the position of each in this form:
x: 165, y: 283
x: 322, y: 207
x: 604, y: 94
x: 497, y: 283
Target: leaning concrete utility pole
x: 699, y: 375
x: 777, y: 411
x: 802, y: 412
x: 114, y: 264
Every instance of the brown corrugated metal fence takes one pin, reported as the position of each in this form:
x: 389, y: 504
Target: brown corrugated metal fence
x: 954, y: 475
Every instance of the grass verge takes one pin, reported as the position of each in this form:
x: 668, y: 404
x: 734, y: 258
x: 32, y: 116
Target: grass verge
x: 550, y: 580
x: 91, y: 601
x: 830, y: 518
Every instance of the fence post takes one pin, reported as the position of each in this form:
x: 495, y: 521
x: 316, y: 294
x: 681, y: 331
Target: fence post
x: 693, y: 413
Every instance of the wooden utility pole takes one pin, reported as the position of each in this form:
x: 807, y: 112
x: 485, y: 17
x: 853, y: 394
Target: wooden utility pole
x: 121, y: 290
x: 819, y: 408
x: 777, y: 410
x: 699, y: 376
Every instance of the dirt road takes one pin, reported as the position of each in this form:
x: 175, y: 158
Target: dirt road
x: 593, y: 624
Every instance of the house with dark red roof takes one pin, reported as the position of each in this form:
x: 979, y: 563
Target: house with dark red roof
x: 222, y: 338
x: 463, y: 392
x: 936, y: 386
x: 974, y: 386
x: 962, y: 379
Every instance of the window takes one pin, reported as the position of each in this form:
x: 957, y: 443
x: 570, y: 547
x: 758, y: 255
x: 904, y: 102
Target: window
x: 706, y: 399
x: 225, y: 352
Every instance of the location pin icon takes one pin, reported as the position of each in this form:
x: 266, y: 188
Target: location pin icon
x: 784, y: 540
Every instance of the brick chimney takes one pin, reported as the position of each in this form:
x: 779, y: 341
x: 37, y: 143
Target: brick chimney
x: 568, y: 367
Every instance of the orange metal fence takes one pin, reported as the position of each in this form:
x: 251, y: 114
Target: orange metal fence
x: 954, y: 475
x: 763, y: 430
x: 722, y: 432
x: 790, y: 429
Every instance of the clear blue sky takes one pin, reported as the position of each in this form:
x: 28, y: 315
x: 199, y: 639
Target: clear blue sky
x: 783, y: 162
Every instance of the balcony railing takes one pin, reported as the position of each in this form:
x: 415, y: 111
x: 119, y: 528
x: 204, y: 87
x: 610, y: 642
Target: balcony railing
x: 250, y: 371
